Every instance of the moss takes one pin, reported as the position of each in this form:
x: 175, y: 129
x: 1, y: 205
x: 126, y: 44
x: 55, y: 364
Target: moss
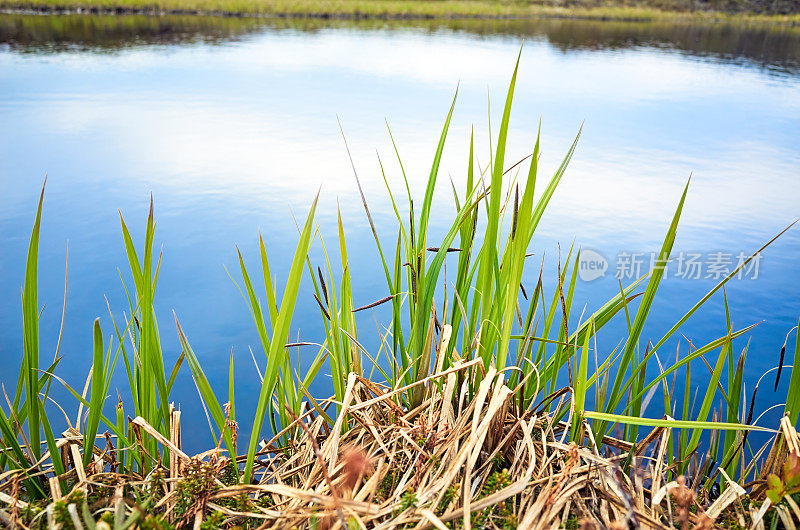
x: 266, y: 501
x: 60, y: 511
x: 385, y: 487
x: 241, y: 503
x: 389, y: 482
x: 407, y: 500
x: 198, y: 483
x: 500, y: 515
x: 155, y: 522
x: 156, y: 485
x: 571, y: 523
x: 213, y: 521
x: 230, y: 474
x: 31, y: 512
x: 496, y: 481
x: 61, y: 515
x: 101, y: 490
x: 498, y: 462
x: 107, y: 517
x: 244, y: 504
x: 447, y: 498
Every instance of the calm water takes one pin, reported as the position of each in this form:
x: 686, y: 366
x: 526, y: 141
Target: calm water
x: 232, y: 126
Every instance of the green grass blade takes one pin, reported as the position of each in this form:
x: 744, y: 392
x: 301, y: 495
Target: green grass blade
x: 97, y: 397
x: 277, y: 351
x: 207, y: 393
x: 644, y: 306
x: 426, y: 203
x: 671, y: 423
x: 30, y: 319
x: 793, y: 395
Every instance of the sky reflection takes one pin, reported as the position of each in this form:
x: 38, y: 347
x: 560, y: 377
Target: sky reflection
x: 233, y: 139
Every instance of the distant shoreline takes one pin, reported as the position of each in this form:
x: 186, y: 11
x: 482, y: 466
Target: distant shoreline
x: 392, y: 10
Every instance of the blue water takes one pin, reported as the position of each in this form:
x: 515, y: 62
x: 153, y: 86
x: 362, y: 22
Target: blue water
x: 234, y: 135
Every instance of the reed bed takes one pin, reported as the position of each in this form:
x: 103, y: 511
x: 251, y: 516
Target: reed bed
x: 449, y: 463
x: 488, y: 405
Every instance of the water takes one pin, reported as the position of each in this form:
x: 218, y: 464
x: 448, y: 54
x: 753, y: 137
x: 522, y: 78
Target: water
x: 232, y: 126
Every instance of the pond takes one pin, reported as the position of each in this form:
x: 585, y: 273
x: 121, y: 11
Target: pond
x: 232, y: 125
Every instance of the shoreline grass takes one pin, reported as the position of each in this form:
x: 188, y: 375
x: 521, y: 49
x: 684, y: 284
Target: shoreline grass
x: 486, y: 406
x: 449, y: 463
x: 770, y: 46
x: 644, y: 10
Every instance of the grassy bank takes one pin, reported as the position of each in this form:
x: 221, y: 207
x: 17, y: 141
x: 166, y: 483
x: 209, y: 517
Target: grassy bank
x: 487, y: 405
x: 778, y: 11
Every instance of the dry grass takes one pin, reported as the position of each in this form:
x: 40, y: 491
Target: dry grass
x: 456, y: 461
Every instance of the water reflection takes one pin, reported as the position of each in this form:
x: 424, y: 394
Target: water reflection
x: 231, y: 124
x: 773, y: 47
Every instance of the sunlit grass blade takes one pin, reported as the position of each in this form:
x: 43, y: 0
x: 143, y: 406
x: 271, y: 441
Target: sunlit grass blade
x: 427, y: 201
x: 696, y: 354
x: 97, y: 396
x: 672, y: 423
x: 489, y: 262
x: 207, y: 393
x: 645, y: 304
x: 30, y: 320
x: 254, y: 305
x: 793, y: 396
x: 15, y: 457
x: 581, y: 386
x: 146, y: 373
x: 700, y: 303
x: 276, y: 354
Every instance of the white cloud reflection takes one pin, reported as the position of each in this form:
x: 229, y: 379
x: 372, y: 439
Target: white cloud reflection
x: 257, y: 119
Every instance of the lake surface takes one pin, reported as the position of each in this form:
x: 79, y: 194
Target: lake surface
x: 231, y: 124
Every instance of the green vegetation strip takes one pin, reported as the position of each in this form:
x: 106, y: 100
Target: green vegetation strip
x: 779, y: 12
